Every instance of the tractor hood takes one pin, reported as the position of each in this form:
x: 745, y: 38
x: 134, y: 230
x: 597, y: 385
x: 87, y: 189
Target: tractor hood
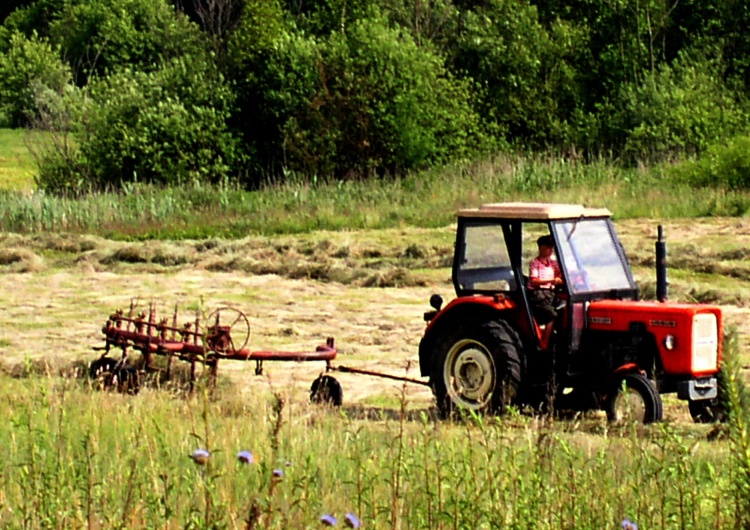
x: 688, y: 336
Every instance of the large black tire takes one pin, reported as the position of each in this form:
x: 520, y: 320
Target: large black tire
x: 101, y: 366
x: 477, y: 369
x: 111, y: 374
x: 326, y: 390
x: 712, y: 410
x: 634, y: 399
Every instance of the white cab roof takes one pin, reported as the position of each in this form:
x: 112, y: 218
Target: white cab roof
x: 534, y: 210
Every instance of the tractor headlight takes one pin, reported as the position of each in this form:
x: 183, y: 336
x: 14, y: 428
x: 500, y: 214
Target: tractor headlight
x: 705, y: 342
x: 670, y: 342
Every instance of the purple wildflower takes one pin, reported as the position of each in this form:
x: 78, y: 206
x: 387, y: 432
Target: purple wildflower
x: 627, y: 524
x: 245, y: 457
x: 278, y: 474
x: 352, y: 521
x: 200, y: 456
x: 328, y: 520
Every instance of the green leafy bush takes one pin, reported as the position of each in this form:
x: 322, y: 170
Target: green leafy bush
x: 34, y: 17
x: 164, y: 127
x: 530, y: 89
x: 680, y: 109
x: 725, y: 164
x: 103, y: 35
x: 28, y: 66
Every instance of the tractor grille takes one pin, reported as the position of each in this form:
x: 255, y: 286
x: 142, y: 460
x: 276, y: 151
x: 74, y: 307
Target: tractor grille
x: 705, y: 342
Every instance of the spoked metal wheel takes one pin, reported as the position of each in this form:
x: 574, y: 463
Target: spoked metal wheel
x: 228, y: 330
x: 470, y: 375
x: 634, y: 400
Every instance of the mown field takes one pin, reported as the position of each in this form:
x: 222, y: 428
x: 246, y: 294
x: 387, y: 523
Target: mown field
x: 75, y: 457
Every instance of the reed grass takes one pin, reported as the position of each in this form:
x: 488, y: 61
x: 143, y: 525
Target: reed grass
x: 424, y: 199
x: 427, y: 199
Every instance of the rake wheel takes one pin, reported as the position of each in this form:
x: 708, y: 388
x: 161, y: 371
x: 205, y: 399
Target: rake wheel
x: 221, y: 336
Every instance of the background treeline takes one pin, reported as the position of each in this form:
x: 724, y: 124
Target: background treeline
x: 255, y: 91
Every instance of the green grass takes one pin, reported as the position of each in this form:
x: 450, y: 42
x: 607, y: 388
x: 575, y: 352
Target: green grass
x: 424, y: 200
x: 427, y: 199
x: 73, y: 457
x: 17, y: 165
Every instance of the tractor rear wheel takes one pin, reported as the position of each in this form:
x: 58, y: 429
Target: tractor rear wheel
x: 634, y: 399
x: 477, y: 369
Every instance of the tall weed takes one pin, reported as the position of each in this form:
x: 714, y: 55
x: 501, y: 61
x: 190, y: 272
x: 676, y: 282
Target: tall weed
x: 73, y: 457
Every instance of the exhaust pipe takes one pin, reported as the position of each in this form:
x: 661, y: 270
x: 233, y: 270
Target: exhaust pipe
x: 661, y: 267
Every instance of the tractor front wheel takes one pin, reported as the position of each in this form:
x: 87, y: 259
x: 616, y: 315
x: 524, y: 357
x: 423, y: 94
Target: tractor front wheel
x: 712, y: 410
x: 634, y: 399
x: 477, y: 369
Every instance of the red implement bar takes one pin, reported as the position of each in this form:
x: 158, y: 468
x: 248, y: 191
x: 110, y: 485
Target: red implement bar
x: 189, y: 343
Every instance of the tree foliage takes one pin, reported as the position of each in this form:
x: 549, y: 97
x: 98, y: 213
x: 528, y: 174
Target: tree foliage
x: 164, y: 127
x: 103, y: 36
x: 29, y: 65
x: 681, y: 108
x: 366, y: 102
x: 347, y: 89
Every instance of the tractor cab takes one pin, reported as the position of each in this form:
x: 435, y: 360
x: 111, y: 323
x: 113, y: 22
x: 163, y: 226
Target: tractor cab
x: 487, y: 348
x: 496, y: 243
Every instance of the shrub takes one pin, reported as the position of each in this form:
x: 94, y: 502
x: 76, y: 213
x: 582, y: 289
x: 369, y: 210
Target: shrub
x: 32, y: 17
x: 723, y: 165
x: 101, y: 36
x: 163, y: 127
x: 29, y: 65
x: 679, y: 109
x: 366, y: 102
x: 530, y: 89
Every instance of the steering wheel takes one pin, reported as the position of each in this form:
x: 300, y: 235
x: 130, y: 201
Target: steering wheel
x: 579, y: 280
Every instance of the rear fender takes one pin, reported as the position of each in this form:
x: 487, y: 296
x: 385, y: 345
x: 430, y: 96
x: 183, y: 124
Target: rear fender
x: 458, y: 313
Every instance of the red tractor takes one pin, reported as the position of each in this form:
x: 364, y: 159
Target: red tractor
x: 605, y: 349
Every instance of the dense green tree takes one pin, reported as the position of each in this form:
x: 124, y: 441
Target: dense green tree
x: 29, y: 19
x: 428, y: 21
x: 679, y: 109
x: 365, y: 102
x: 353, y: 88
x: 100, y: 36
x: 736, y: 38
x: 249, y: 49
x: 530, y: 87
x: 322, y: 17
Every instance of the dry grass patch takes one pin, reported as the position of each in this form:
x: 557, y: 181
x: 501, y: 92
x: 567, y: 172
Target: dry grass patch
x: 20, y: 260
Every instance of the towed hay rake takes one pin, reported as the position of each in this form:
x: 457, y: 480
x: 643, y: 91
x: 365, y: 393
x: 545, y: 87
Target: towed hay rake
x: 223, y: 335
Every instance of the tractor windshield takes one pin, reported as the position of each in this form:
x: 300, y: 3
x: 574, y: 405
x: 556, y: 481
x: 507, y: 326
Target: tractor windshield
x: 592, y: 257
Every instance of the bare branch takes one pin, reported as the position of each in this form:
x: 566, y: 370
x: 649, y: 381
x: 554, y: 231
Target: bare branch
x: 218, y: 17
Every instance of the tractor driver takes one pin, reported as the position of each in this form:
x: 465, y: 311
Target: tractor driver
x: 544, y: 276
